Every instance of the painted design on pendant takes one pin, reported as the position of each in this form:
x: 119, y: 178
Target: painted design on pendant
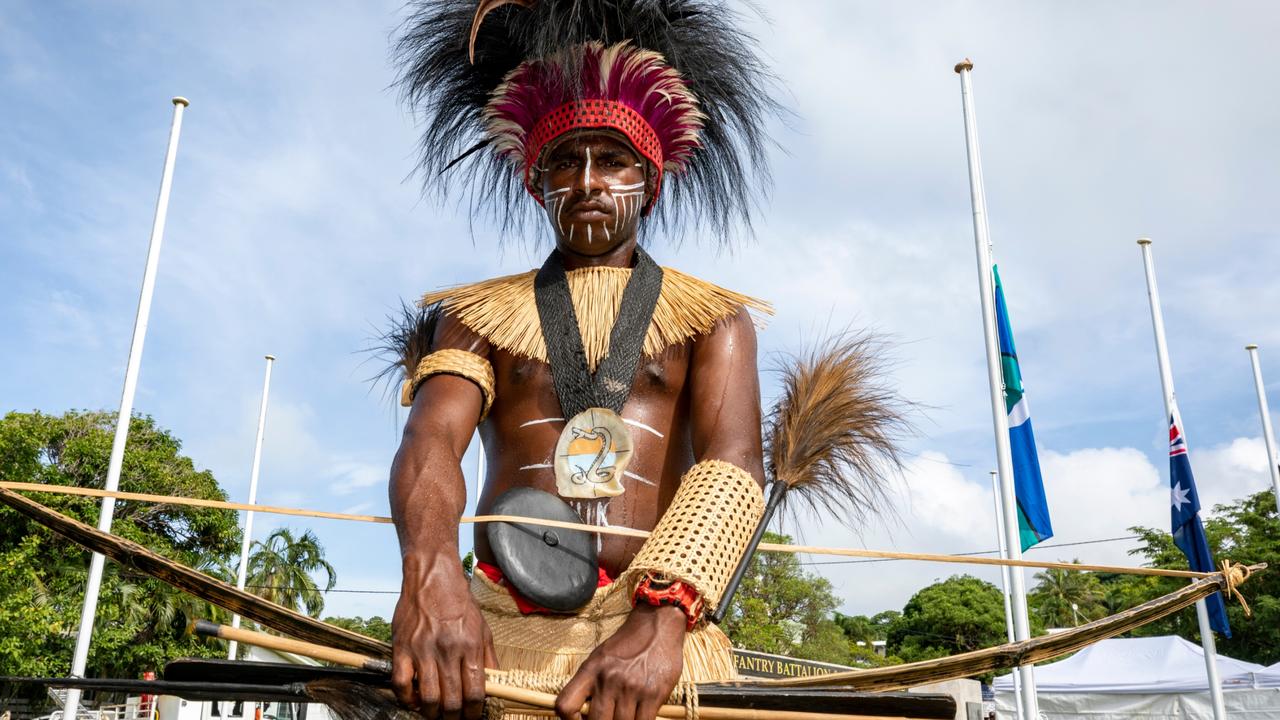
x: 592, y: 455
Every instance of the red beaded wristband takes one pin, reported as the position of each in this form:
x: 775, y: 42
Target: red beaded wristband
x: 677, y: 594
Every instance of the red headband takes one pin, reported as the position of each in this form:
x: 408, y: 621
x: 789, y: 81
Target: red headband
x: 598, y: 115
x: 619, y: 87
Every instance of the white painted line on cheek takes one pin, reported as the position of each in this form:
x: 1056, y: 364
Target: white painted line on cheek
x: 536, y: 466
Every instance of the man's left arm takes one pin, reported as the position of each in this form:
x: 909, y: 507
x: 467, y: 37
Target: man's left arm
x: 631, y: 674
x: 725, y: 400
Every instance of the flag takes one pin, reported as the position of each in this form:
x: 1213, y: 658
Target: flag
x: 1188, y: 531
x: 1028, y: 486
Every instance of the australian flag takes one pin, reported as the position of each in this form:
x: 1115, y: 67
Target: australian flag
x: 1188, y: 532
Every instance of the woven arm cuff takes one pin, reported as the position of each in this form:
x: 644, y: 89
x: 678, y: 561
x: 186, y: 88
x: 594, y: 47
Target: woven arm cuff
x: 452, y: 362
x: 704, y: 533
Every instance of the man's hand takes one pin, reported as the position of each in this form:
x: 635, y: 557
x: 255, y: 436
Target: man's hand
x: 630, y: 675
x: 440, y: 643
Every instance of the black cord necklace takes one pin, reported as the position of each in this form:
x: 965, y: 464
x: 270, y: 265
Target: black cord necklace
x: 577, y: 388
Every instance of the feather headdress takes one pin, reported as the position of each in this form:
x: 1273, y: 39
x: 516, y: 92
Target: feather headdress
x: 679, y: 78
x: 620, y: 87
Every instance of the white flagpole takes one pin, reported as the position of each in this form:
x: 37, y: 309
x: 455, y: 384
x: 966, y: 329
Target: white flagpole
x: 999, y: 416
x: 1268, y: 436
x: 90, y: 608
x: 243, y: 569
x: 1166, y: 383
x: 1004, y: 584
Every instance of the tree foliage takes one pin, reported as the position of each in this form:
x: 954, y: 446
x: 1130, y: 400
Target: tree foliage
x: 784, y: 610
x: 1245, y: 531
x: 867, y: 629
x: 1067, y: 598
x: 281, y: 567
x: 44, y: 576
x: 375, y: 627
x: 959, y: 614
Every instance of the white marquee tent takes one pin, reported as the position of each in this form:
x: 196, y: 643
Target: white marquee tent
x: 1148, y: 678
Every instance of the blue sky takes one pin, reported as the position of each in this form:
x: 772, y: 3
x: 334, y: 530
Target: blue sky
x: 293, y: 230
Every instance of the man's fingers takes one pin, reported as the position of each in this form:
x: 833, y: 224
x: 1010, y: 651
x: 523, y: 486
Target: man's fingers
x: 602, y: 703
x: 451, y: 689
x: 625, y: 708
x: 648, y: 708
x: 472, y: 689
x: 402, y: 680
x: 575, y: 693
x: 428, y: 689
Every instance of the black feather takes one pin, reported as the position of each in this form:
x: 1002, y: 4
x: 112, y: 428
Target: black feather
x: 405, y: 342
x: 725, y: 180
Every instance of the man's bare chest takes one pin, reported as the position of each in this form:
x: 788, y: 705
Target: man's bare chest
x: 523, y: 381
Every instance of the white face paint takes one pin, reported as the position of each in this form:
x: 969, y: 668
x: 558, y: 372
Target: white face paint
x: 627, y: 200
x: 555, y: 205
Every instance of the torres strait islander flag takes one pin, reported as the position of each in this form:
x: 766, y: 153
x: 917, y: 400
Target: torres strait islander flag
x: 1028, y: 486
x: 1188, y: 531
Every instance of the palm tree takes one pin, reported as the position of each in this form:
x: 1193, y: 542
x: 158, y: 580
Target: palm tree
x: 281, y: 567
x: 1064, y: 597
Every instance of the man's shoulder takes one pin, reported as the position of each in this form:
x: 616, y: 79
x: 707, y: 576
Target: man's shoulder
x: 505, y: 288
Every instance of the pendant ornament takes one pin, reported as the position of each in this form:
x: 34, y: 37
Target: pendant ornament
x: 595, y: 446
x: 592, y: 454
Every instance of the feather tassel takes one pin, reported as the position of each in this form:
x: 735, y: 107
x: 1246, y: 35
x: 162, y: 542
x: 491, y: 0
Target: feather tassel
x: 832, y: 439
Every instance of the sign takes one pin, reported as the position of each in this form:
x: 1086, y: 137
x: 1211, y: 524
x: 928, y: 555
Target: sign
x: 763, y: 665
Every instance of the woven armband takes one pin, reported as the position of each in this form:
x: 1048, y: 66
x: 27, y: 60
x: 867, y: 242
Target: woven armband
x: 704, y: 533
x: 452, y: 362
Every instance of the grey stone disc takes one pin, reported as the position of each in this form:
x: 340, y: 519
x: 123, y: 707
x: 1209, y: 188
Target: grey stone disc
x: 552, y: 567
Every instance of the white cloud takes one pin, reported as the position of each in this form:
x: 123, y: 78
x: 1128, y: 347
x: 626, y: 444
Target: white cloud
x: 938, y: 510
x: 354, y: 475
x: 941, y: 499
x: 1097, y: 493
x: 1230, y: 471
x: 65, y: 318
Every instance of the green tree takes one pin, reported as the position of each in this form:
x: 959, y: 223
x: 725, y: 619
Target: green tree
x: 43, y: 576
x: 857, y: 628
x: 861, y: 628
x: 782, y: 609
x: 281, y: 568
x: 1066, y: 598
x: 375, y: 627
x: 1244, y: 531
x: 959, y: 614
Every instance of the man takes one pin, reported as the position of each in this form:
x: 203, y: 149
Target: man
x: 626, y: 389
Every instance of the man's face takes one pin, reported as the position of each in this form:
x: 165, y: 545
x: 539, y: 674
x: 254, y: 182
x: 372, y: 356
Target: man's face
x: 594, y: 185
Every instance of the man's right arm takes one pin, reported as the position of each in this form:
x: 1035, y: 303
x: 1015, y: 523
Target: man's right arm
x: 441, y: 644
